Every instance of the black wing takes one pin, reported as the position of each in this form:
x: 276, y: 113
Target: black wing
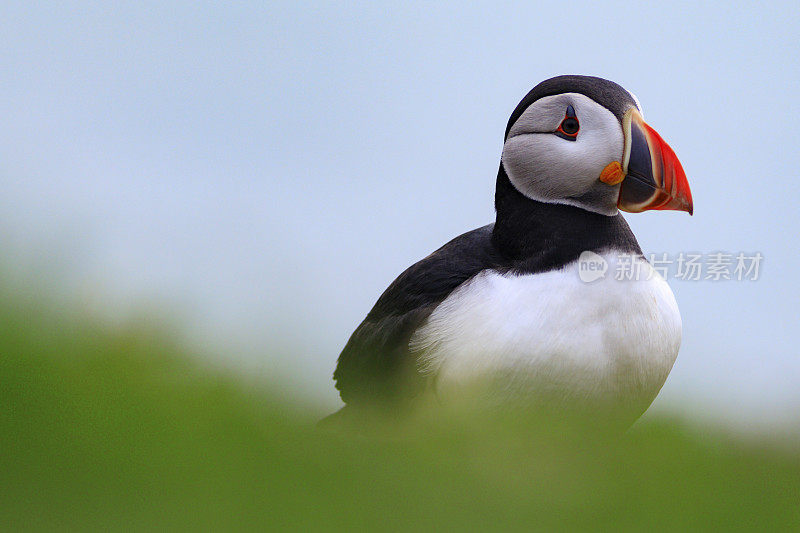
x: 376, y: 362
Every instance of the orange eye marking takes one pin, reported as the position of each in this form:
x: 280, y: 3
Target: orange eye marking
x: 561, y: 130
x: 569, y: 127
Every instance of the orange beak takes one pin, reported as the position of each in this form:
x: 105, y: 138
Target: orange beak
x: 654, y: 178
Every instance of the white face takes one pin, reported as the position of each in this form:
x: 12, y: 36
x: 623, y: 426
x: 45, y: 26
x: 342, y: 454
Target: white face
x: 546, y: 167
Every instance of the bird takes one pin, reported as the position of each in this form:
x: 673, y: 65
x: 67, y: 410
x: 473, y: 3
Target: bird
x: 531, y: 303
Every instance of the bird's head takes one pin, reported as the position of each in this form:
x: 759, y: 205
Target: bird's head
x: 582, y: 141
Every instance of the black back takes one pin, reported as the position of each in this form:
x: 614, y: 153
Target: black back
x: 376, y: 363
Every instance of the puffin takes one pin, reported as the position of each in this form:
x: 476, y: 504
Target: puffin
x: 553, y: 303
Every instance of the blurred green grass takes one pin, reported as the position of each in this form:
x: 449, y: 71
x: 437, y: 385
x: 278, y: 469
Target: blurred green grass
x: 119, y: 428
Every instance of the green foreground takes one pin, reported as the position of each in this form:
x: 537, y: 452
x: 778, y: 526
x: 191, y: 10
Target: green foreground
x: 103, y: 429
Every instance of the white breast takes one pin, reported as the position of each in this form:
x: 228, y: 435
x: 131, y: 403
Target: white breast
x: 608, y: 338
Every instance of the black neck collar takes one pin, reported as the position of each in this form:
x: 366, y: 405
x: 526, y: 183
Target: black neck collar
x: 541, y: 236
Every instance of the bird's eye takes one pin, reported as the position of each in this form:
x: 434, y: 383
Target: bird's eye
x: 569, y: 127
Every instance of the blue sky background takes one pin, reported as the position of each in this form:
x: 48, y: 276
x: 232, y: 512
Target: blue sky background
x: 267, y: 169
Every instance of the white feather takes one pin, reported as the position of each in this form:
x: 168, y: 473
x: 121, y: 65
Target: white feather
x: 608, y: 339
x: 550, y: 169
